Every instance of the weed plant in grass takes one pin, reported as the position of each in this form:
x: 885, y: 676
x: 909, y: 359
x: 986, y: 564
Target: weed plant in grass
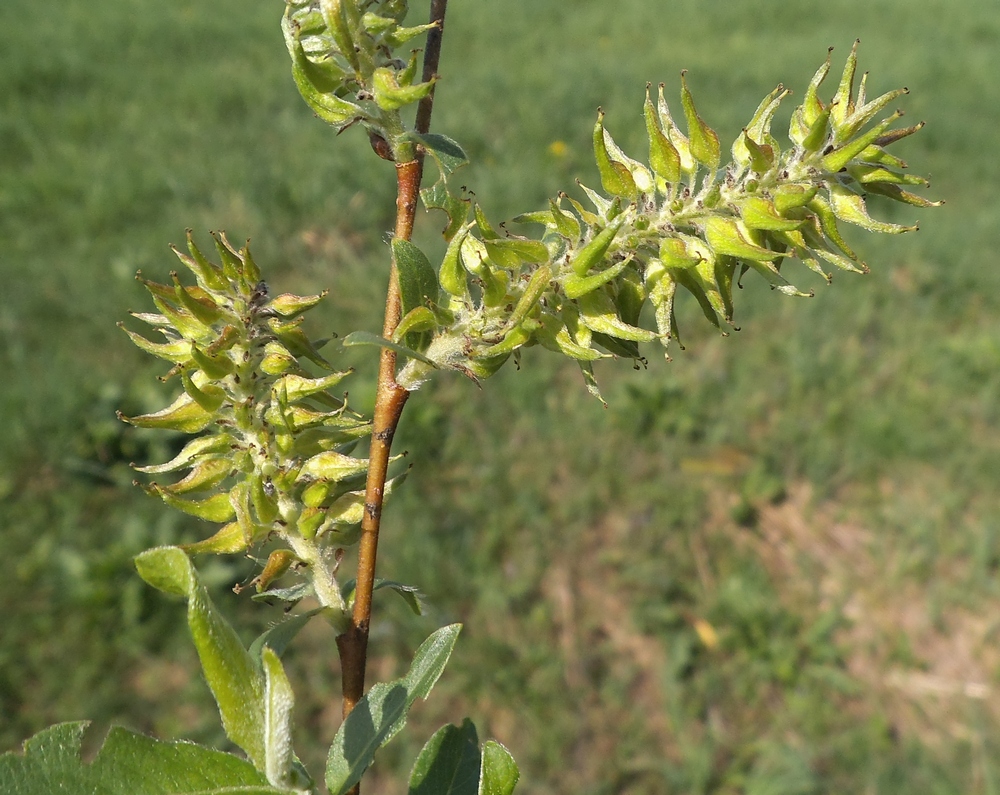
x: 662, y: 645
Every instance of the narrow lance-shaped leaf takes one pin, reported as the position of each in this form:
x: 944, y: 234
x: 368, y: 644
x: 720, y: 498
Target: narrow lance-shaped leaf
x: 237, y: 684
x: 378, y: 716
x: 278, y: 703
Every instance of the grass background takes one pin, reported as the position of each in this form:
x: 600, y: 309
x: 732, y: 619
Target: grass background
x: 771, y: 566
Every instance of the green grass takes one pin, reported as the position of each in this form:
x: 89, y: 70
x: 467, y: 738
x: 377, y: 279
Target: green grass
x: 581, y: 546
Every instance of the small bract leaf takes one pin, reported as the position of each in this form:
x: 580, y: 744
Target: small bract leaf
x: 663, y: 157
x: 760, y: 213
x: 390, y: 95
x: 367, y: 338
x: 228, y: 540
x: 191, y: 452
x: 288, y: 305
x: 182, y: 415
x: 212, y: 509
x: 850, y: 207
x: 593, y: 252
x: 726, y: 236
x: 331, y: 465
x: 598, y: 313
x: 296, y: 387
x: 278, y: 637
x: 704, y: 140
x: 417, y: 320
x: 448, y: 156
x: 206, y: 474
x: 616, y: 178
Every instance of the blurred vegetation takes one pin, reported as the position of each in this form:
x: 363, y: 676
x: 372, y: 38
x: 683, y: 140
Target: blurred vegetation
x: 771, y: 566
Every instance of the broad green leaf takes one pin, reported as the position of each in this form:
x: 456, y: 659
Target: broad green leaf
x: 127, y: 764
x: 449, y: 763
x: 418, y: 286
x: 378, y: 716
x: 236, y: 682
x: 418, y: 283
x: 499, y: 773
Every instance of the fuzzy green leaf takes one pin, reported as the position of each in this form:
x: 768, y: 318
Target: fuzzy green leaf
x: 236, y: 682
x: 127, y: 764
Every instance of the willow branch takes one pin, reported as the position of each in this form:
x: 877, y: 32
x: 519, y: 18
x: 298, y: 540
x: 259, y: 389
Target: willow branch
x: 389, y: 399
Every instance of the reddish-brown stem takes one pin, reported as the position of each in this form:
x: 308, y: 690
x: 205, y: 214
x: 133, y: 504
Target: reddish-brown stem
x: 389, y: 401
